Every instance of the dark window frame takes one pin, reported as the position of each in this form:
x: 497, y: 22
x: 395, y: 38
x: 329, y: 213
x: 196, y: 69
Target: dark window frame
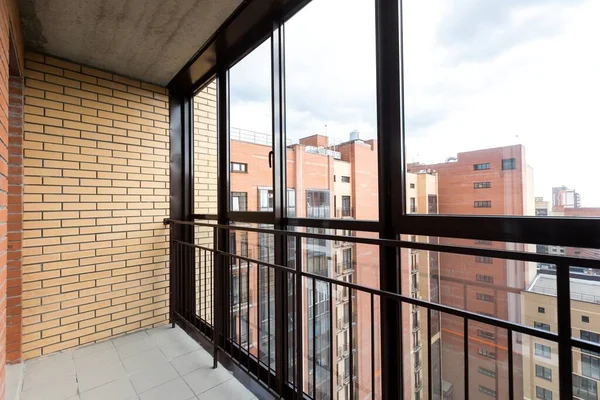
x: 509, y: 164
x: 243, y: 167
x: 482, y: 166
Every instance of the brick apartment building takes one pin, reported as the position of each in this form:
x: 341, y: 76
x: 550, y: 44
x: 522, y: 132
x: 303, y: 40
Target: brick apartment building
x: 484, y: 182
x: 326, y: 181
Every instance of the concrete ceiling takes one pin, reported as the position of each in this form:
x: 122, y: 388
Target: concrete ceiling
x: 150, y: 40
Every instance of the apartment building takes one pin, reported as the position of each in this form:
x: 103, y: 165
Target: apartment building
x: 326, y: 181
x: 540, y: 360
x: 494, y: 181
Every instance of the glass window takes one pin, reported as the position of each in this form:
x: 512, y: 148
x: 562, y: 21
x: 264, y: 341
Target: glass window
x: 487, y: 390
x: 482, y: 204
x: 413, y: 205
x: 543, y: 350
x: 331, y: 125
x: 585, y: 388
x: 541, y: 310
x: 483, y: 260
x: 317, y: 204
x: 487, y: 372
x: 250, y: 133
x: 585, y: 318
x: 479, y: 167
x: 239, y: 201
x: 543, y: 393
x: 238, y: 167
x: 482, y: 185
x: 509, y: 163
x: 465, y: 68
x: 541, y: 325
x: 543, y: 372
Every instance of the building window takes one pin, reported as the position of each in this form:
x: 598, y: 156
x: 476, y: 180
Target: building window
x: 485, y: 278
x: 345, y: 179
x: 487, y: 372
x: 432, y: 204
x: 244, y: 244
x: 584, y: 388
x: 483, y: 204
x: 541, y: 310
x: 543, y: 351
x: 412, y: 185
x: 483, y: 260
x: 486, y: 334
x: 485, y: 297
x: 479, y: 167
x: 484, y: 242
x: 509, y: 163
x: 541, y: 212
x: 541, y: 325
x: 346, y: 210
x: 543, y: 372
x: 585, y: 318
x: 413, y: 205
x: 590, y: 363
x: 487, y: 390
x: 239, y: 201
x: 482, y: 185
x: 238, y: 167
x: 487, y: 353
x: 317, y: 203
x: 543, y: 393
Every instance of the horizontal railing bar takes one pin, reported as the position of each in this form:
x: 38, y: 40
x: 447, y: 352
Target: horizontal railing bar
x: 402, y: 298
x: 464, y: 250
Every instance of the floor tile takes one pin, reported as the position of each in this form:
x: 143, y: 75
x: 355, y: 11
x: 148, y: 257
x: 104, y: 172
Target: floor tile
x: 140, y: 361
x: 153, y: 376
x: 59, y: 389
x: 135, y: 347
x: 166, y: 334
x: 91, y: 349
x: 232, y: 389
x: 176, y: 389
x: 116, y: 390
x: 206, y: 378
x: 178, y: 348
x: 47, y: 370
x: 130, y: 338
x: 192, y: 361
x: 99, y: 357
x: 11, y: 392
x: 101, y: 374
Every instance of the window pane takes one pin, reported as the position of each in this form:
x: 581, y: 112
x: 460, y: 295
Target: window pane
x: 331, y: 123
x: 481, y: 81
x: 251, y: 137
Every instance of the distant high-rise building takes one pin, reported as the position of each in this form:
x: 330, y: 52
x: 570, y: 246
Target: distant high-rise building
x: 563, y: 197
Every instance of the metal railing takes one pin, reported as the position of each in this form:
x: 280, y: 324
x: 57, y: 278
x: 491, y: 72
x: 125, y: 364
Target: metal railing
x: 344, y: 212
x: 283, y: 372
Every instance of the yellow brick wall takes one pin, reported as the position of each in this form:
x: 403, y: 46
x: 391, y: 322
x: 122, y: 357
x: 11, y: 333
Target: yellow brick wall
x: 205, y: 190
x: 96, y: 190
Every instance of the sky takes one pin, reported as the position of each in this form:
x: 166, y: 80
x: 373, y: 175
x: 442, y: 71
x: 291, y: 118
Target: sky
x: 477, y: 74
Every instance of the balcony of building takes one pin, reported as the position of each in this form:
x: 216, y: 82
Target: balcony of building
x: 258, y: 199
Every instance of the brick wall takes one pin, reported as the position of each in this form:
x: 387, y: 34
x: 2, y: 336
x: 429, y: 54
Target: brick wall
x: 15, y: 220
x: 205, y: 188
x: 4, y: 98
x: 96, y: 191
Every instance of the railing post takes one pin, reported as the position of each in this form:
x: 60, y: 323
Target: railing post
x: 565, y: 353
x: 216, y: 298
x: 299, y: 326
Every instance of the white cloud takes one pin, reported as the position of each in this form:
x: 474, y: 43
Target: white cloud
x: 514, y: 71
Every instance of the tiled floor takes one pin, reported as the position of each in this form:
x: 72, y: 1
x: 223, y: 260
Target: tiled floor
x: 160, y: 363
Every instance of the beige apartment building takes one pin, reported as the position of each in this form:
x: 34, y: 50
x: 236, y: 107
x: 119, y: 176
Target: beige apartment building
x: 540, y: 357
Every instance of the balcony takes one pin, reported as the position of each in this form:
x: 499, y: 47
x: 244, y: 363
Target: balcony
x: 125, y: 180
x: 344, y: 212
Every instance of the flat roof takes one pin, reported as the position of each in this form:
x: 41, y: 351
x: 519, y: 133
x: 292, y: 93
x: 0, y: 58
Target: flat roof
x: 582, y: 289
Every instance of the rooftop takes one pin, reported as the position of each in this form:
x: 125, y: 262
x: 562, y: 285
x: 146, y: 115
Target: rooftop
x: 583, y: 287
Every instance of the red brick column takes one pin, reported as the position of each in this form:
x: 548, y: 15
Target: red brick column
x: 15, y: 220
x: 4, y: 76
